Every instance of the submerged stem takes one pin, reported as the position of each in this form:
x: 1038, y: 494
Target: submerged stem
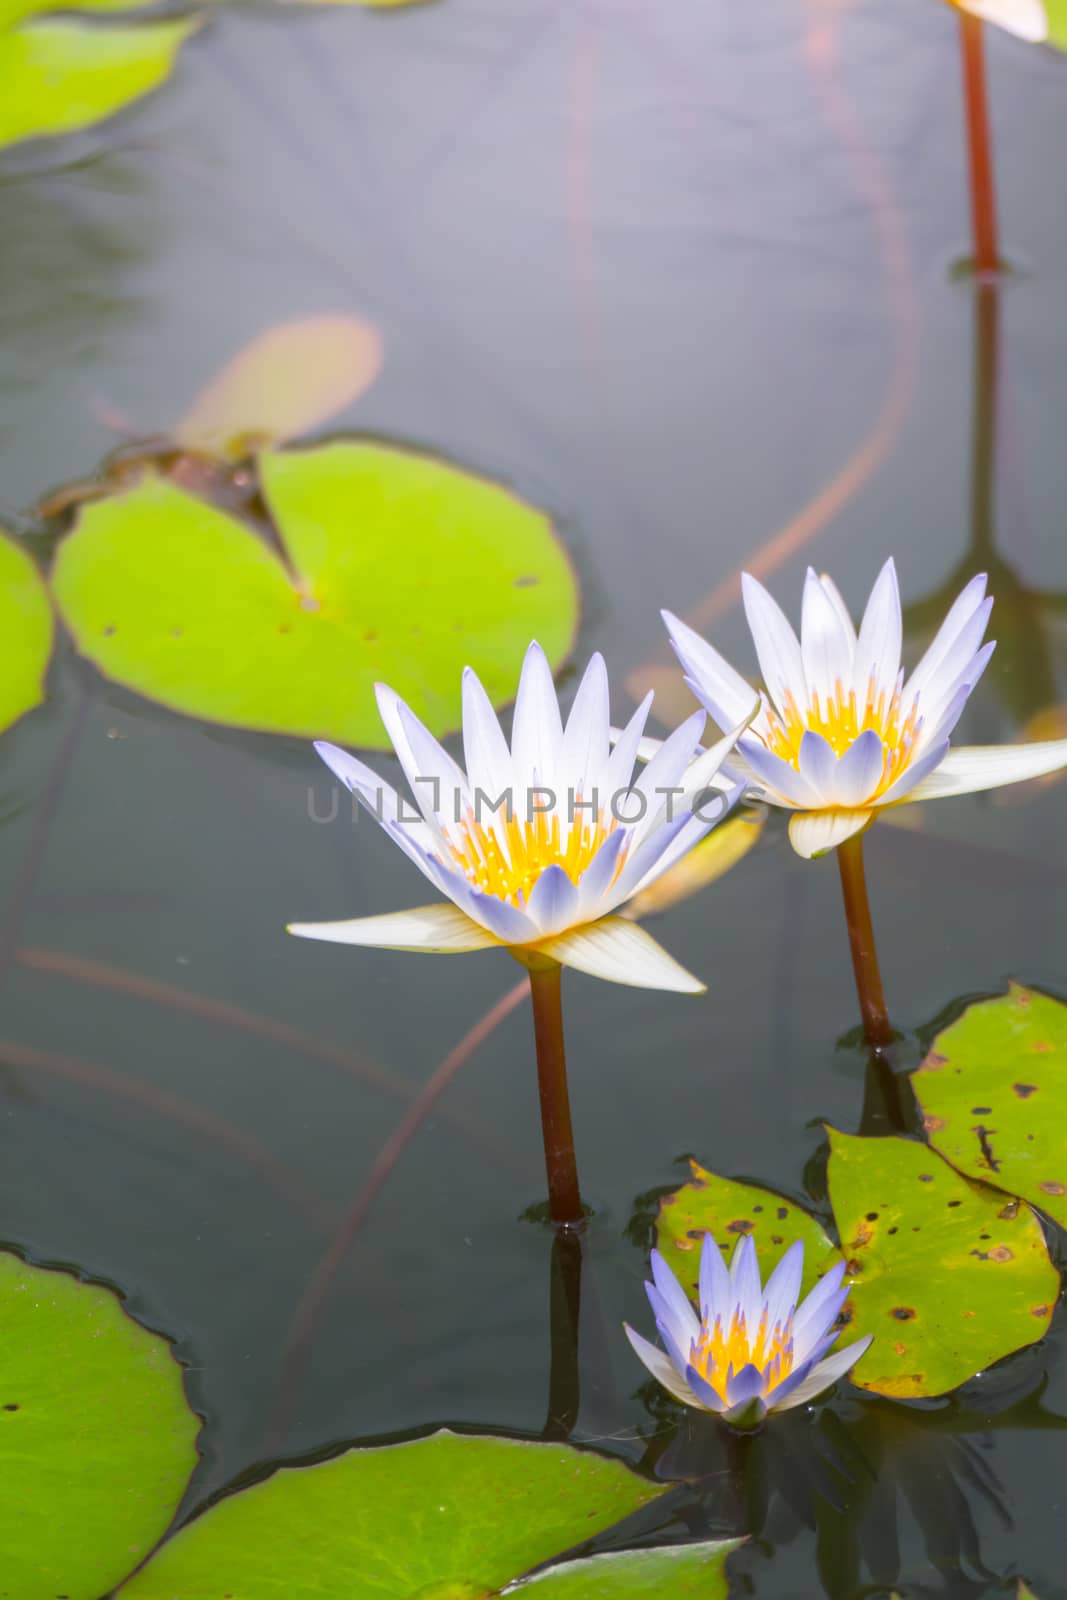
x: 873, y: 1008
x: 564, y: 1197
x: 979, y: 146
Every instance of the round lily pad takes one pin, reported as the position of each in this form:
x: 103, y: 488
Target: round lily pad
x: 396, y: 568
x: 727, y: 1210
x: 442, y: 1518
x: 59, y: 76
x: 993, y: 1090
x: 97, y: 1442
x: 26, y: 629
x: 677, y: 1571
x: 948, y: 1275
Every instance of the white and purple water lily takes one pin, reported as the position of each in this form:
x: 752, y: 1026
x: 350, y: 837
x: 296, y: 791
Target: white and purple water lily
x: 751, y: 1349
x: 841, y: 733
x: 537, y: 843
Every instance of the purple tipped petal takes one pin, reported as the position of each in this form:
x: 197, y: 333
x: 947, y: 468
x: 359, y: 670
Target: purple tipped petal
x: 676, y: 1306
x: 707, y: 1396
x: 661, y: 1367
x: 553, y: 903
x: 744, y: 1385
x: 810, y: 1312
x: 745, y: 1283
x: 823, y: 1376
x: 716, y: 1295
x: 783, y: 1286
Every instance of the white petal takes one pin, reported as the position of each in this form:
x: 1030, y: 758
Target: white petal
x: 441, y: 928
x: 783, y: 1286
x: 820, y: 1378
x: 585, y: 738
x: 664, y: 771
x: 913, y: 775
x: 537, y: 730
x: 437, y: 782
x: 724, y: 692
x: 825, y: 645
x: 485, y: 749
x: 878, y: 648
x: 811, y: 1318
x: 553, y: 903
x: 745, y: 1280
x: 706, y: 768
x: 777, y: 646
x: 860, y: 770
x: 630, y: 747
x: 818, y: 766
x: 780, y: 784
x: 381, y: 800
x: 955, y: 665
x: 813, y: 833
x: 715, y: 1295
x: 621, y: 952
x: 1027, y: 19
x: 660, y: 1367
x: 833, y: 594
x: 970, y: 768
x: 961, y: 611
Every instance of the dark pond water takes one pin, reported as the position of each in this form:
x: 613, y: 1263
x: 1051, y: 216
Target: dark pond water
x: 669, y: 271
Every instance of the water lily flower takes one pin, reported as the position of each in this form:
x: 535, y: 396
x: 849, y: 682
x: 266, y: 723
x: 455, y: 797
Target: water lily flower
x: 751, y: 1349
x: 841, y: 733
x: 536, y: 844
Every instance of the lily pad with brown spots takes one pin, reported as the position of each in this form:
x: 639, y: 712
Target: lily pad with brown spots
x: 993, y: 1091
x: 947, y: 1274
x: 728, y: 1209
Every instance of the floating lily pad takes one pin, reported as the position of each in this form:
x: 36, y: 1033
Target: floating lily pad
x: 26, y: 629
x: 726, y: 1209
x: 948, y: 1275
x: 97, y: 1442
x: 401, y: 569
x: 59, y: 76
x: 290, y: 379
x: 12, y: 11
x: 443, y: 1518
x: 677, y: 1571
x: 993, y: 1091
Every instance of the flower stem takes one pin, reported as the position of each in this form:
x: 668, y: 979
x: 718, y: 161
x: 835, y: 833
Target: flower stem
x: 565, y: 1301
x: 979, y: 146
x: 564, y: 1197
x: 876, y: 1023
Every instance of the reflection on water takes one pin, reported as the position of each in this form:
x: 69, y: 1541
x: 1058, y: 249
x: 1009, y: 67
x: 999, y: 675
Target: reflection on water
x: 663, y: 273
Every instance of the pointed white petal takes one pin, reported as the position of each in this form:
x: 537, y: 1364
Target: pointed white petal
x: 503, y: 920
x: 826, y: 646
x: 441, y: 928
x: 553, y: 903
x: 537, y: 731
x: 485, y: 749
x: 955, y: 664
x: 1027, y: 19
x: 715, y: 1293
x: 878, y: 648
x: 818, y: 767
x: 630, y: 746
x: 724, y: 691
x: 437, y: 782
x: 970, y: 768
x: 682, y: 1319
x: 860, y: 770
x: 597, y: 881
x: 745, y: 1280
x: 913, y: 775
x: 664, y: 771
x: 777, y: 646
x: 810, y: 1320
x: 660, y: 1367
x: 820, y: 1378
x: 813, y: 833
x: 833, y: 594
x: 621, y: 952
x: 783, y: 1285
x: 961, y: 611
x: 380, y: 799
x: 708, y: 766
x: 585, y: 738
x: 780, y: 784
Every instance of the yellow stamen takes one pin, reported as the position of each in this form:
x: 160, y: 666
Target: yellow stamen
x: 505, y: 857
x: 840, y: 721
x: 719, y: 1349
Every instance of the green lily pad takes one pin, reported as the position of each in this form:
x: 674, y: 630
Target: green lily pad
x: 26, y: 629
x: 947, y: 1274
x: 59, y: 76
x: 97, y: 1442
x: 400, y: 569
x: 442, y: 1518
x: 993, y: 1091
x: 727, y: 1209
x: 12, y: 11
x: 678, y: 1571
x: 292, y: 378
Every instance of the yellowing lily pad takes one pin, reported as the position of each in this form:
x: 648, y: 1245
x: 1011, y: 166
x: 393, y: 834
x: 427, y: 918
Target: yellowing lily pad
x: 948, y: 1275
x: 398, y: 568
x: 676, y: 1571
x: 97, y: 1442
x: 993, y: 1091
x: 26, y: 629
x: 727, y: 1210
x: 290, y: 379
x: 442, y: 1518
x: 60, y: 76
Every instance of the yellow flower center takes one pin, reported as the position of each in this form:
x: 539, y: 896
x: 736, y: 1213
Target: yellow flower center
x: 841, y: 719
x: 719, y: 1349
x: 506, y: 858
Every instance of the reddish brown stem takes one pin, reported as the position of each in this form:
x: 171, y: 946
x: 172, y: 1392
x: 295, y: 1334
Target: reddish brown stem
x: 873, y: 1008
x: 564, y: 1196
x: 979, y: 146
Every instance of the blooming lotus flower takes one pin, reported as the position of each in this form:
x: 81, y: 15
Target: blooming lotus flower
x: 751, y: 1349
x: 537, y: 843
x: 842, y: 733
